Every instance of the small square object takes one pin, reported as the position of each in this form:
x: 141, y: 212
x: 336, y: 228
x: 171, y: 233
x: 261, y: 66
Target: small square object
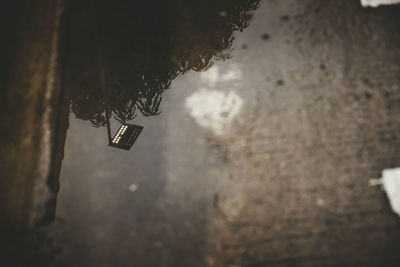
x: 126, y: 136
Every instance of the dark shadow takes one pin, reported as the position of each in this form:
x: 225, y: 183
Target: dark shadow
x: 122, y: 55
x: 117, y: 58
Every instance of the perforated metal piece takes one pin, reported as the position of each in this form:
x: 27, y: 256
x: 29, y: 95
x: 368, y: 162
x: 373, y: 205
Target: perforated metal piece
x: 126, y: 136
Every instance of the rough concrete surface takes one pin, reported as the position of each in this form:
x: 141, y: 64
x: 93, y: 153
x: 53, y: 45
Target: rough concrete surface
x: 286, y: 184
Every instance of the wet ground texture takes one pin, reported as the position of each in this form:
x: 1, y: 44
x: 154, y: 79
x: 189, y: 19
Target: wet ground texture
x: 256, y: 151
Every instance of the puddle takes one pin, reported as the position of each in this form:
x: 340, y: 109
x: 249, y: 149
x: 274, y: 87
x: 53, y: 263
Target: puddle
x: 262, y: 124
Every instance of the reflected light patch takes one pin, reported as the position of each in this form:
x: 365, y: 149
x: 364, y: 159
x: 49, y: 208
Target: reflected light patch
x: 214, y: 75
x: 375, y: 3
x: 133, y: 187
x: 231, y: 75
x: 213, y: 109
x: 211, y: 76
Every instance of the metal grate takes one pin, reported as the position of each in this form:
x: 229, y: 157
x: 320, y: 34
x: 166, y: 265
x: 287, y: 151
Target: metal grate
x: 126, y: 136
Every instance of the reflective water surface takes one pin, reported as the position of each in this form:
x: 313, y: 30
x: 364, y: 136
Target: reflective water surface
x: 262, y: 125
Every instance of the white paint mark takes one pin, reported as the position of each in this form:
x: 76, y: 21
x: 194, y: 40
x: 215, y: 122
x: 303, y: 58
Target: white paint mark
x: 391, y: 184
x: 213, y: 109
x: 375, y: 182
x: 320, y: 202
x: 375, y: 3
x: 133, y: 187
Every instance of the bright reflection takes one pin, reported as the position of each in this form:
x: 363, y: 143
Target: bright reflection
x: 213, y: 109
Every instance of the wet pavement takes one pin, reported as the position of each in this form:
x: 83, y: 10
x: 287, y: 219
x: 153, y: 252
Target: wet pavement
x: 260, y: 158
